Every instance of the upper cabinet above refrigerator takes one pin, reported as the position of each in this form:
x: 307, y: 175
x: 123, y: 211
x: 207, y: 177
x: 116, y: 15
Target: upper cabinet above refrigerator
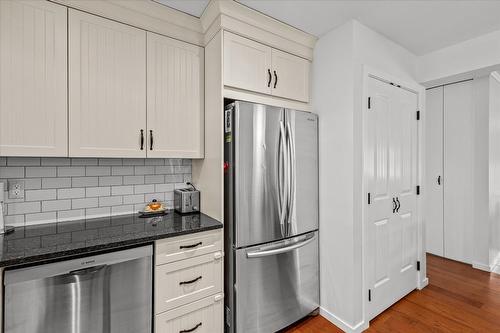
x: 253, y: 66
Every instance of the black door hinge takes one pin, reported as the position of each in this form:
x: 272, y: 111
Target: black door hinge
x: 418, y: 265
x: 369, y: 295
x: 369, y: 102
x: 369, y: 198
x: 418, y: 190
x: 418, y: 115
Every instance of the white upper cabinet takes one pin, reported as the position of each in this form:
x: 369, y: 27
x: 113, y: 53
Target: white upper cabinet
x: 256, y: 67
x: 33, y: 81
x: 247, y: 64
x: 107, y: 88
x: 290, y: 76
x: 175, y: 98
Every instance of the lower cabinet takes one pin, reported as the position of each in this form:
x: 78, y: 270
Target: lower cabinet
x: 189, y: 283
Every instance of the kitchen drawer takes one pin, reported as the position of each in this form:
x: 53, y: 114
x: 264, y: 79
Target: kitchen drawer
x: 188, y: 246
x: 186, y: 281
x: 203, y: 316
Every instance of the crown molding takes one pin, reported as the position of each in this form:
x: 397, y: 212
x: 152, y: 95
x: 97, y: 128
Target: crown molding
x: 235, y: 17
x: 145, y: 14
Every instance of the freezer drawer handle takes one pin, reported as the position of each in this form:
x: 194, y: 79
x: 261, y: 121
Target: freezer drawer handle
x: 191, y: 329
x: 284, y: 249
x: 190, y: 281
x: 190, y: 246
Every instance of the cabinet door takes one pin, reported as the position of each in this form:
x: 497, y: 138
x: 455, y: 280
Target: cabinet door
x: 290, y: 76
x: 33, y: 89
x: 247, y: 64
x: 107, y: 87
x: 175, y: 115
x: 434, y: 171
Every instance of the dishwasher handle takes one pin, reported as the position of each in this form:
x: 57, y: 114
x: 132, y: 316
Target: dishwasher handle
x: 88, y: 270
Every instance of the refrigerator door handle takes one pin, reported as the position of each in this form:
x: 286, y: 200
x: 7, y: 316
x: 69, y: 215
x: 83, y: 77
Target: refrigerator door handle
x: 287, y: 248
x: 282, y: 176
x: 291, y: 176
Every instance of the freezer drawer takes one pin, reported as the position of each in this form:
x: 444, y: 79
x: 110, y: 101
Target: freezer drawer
x: 276, y: 284
x: 107, y: 293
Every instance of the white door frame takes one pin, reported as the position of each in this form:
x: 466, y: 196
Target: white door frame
x: 422, y: 280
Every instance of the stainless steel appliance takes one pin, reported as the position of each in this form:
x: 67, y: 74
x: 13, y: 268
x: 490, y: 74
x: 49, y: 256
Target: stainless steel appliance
x: 271, y: 217
x: 187, y: 200
x: 107, y: 293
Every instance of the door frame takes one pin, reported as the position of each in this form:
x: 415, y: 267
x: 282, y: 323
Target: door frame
x: 422, y: 280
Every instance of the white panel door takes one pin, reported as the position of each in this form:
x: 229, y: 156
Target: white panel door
x: 247, y: 64
x: 33, y: 81
x: 458, y: 171
x: 434, y: 224
x: 175, y: 110
x: 390, y: 178
x: 107, y: 87
x: 290, y: 76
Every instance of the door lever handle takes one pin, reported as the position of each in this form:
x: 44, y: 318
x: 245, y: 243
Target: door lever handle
x: 399, y: 205
x: 394, y: 205
x: 439, y: 180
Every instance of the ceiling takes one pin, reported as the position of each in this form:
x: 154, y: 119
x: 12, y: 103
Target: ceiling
x: 421, y: 26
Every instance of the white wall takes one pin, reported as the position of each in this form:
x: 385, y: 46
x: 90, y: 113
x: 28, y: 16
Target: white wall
x: 337, y: 89
x: 464, y: 60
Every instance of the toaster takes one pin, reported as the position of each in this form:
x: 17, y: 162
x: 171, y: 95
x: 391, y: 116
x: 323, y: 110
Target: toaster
x: 187, y: 200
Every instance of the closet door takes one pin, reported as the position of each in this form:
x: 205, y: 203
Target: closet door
x: 175, y: 98
x: 390, y: 155
x: 107, y: 87
x: 458, y: 171
x: 33, y: 81
x: 434, y: 171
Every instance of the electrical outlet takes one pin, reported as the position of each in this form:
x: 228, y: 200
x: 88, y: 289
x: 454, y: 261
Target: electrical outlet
x: 16, y: 189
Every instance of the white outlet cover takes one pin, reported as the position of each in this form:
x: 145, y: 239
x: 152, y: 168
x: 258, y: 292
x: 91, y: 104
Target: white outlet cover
x: 16, y: 189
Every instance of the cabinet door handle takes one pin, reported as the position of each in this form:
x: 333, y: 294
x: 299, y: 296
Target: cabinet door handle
x: 142, y: 139
x: 191, y: 329
x: 439, y: 180
x: 190, y: 246
x: 269, y: 78
x: 150, y: 139
x: 190, y: 281
x: 275, y: 79
x: 394, y: 205
x: 399, y: 205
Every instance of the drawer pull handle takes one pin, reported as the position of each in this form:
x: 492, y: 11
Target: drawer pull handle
x: 190, y: 246
x: 190, y: 281
x: 191, y: 329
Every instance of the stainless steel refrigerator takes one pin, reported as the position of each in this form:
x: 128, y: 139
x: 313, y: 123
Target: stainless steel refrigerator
x: 270, y: 216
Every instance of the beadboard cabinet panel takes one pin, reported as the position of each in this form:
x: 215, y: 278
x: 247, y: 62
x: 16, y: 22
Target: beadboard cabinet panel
x: 291, y: 76
x: 247, y: 64
x: 175, y: 98
x: 107, y: 88
x: 33, y: 81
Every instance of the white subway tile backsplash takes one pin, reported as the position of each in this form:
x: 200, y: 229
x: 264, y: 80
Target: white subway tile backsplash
x: 65, y: 189
x: 70, y: 193
x: 40, y: 195
x: 33, y: 172
x: 71, y: 171
x: 122, y: 190
x: 98, y: 171
x: 97, y: 191
x: 84, y: 203
x: 11, y: 172
x: 56, y: 182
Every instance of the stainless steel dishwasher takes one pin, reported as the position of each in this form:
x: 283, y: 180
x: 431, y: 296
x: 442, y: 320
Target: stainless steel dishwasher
x: 105, y: 293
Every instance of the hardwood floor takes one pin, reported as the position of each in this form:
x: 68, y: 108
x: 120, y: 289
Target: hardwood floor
x: 457, y: 299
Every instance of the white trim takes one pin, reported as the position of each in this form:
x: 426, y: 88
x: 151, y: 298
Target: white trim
x: 368, y: 72
x: 245, y: 95
x: 481, y: 266
x: 343, y: 325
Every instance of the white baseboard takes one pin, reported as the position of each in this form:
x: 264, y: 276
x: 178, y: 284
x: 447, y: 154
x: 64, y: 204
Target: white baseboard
x: 344, y: 326
x: 481, y: 266
x: 422, y: 284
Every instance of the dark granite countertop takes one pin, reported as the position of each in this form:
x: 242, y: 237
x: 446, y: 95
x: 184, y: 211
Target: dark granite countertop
x: 46, y: 242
